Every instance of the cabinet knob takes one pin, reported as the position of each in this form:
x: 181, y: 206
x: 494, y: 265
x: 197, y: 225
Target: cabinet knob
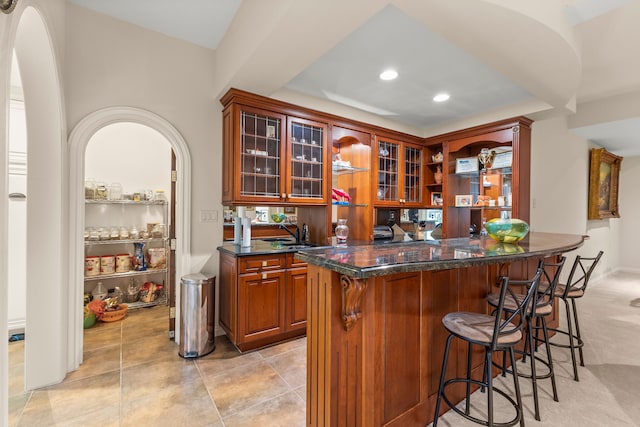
x: 264, y: 263
x: 264, y: 276
x: 290, y: 195
x: 284, y: 195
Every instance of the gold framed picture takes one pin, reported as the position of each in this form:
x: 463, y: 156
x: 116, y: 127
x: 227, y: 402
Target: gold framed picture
x: 604, y: 175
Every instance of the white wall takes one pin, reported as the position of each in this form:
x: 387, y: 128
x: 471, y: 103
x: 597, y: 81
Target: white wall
x: 111, y: 63
x: 560, y: 191
x: 629, y: 208
x: 134, y: 155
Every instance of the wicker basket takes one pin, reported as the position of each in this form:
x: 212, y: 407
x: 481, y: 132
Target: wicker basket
x: 114, y: 316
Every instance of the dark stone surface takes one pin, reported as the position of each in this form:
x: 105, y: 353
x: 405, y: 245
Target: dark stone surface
x: 363, y: 261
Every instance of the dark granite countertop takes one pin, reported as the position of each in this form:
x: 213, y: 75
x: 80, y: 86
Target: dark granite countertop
x: 260, y: 247
x: 363, y: 261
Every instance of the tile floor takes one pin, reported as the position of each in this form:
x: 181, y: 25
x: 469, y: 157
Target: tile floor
x: 132, y: 376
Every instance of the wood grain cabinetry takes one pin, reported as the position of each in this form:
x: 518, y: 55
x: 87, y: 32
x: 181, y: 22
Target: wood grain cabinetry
x: 262, y: 298
x: 473, y: 194
x: 399, y: 171
x: 271, y: 158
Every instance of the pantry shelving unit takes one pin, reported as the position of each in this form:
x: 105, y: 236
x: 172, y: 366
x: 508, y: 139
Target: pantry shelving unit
x: 124, y: 213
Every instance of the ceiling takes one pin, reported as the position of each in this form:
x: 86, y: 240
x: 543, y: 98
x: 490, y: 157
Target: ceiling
x: 504, y: 63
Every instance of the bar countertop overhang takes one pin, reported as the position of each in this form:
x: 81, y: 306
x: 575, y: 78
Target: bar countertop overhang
x: 378, y: 260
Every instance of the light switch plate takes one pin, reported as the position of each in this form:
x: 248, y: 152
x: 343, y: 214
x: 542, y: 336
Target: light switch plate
x: 208, y: 216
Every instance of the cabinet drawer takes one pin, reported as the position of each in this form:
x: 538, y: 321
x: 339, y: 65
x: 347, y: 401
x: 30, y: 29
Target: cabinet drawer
x: 256, y: 264
x: 293, y: 262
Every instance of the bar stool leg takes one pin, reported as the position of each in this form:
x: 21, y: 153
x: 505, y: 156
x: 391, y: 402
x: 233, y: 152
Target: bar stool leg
x: 532, y: 363
x: 516, y: 385
x: 545, y: 334
x: 575, y: 318
x: 571, y: 343
x: 466, y: 405
x: 489, y: 391
x: 442, y: 375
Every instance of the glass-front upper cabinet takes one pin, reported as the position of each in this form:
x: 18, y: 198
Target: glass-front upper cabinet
x: 399, y: 173
x: 261, y: 162
x: 279, y: 160
x: 307, y: 157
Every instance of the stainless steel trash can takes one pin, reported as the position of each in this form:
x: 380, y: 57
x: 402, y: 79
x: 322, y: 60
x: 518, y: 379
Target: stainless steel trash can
x: 197, y: 317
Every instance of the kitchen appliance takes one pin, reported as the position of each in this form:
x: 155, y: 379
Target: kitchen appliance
x: 382, y: 233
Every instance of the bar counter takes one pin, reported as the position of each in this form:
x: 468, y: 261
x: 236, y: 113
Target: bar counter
x: 374, y: 335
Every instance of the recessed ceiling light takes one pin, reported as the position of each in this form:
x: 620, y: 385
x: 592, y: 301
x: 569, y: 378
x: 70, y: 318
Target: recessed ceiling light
x: 441, y: 97
x: 388, y: 74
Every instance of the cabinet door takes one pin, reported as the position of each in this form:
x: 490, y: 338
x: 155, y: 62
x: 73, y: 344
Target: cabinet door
x: 296, y: 299
x: 261, y: 155
x: 261, y: 306
x: 399, y: 172
x: 412, y: 175
x: 387, y: 171
x: 306, y: 181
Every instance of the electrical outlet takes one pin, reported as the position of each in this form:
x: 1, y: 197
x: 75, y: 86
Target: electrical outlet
x: 208, y: 216
x: 172, y: 313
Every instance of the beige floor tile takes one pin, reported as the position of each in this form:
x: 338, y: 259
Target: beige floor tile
x: 291, y: 366
x: 16, y: 379
x: 244, y: 386
x: 283, y: 348
x: 154, y: 347
x: 70, y: 399
x: 302, y: 392
x: 16, y: 406
x: 217, y: 363
x: 96, y: 362
x: 286, y: 410
x: 102, y: 335
x: 157, y: 376
x: 186, y: 404
x: 107, y: 416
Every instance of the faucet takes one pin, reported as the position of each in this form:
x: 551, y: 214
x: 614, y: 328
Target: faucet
x: 296, y: 234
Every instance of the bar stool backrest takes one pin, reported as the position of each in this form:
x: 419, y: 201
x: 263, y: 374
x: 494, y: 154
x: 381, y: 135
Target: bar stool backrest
x: 514, y: 320
x: 579, y: 278
x: 546, y: 296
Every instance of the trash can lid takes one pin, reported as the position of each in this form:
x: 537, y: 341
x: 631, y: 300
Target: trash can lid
x: 194, y: 279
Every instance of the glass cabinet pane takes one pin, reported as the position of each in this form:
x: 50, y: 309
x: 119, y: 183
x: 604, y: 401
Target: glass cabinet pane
x: 388, y: 156
x: 412, y: 174
x: 260, y: 155
x: 306, y: 163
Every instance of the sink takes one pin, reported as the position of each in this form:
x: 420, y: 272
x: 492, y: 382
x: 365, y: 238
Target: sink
x: 300, y: 246
x: 277, y: 239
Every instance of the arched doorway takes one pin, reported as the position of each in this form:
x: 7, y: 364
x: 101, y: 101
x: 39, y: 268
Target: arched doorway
x: 46, y: 316
x: 78, y: 140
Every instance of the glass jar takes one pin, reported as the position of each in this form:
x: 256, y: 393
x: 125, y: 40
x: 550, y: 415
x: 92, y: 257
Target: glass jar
x: 124, y: 233
x: 342, y: 232
x: 115, y: 233
x: 134, y: 233
x: 90, y: 189
x: 116, y: 191
x: 160, y: 196
x: 101, y: 191
x: 104, y: 234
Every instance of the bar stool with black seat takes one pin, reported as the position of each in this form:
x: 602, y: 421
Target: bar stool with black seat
x: 573, y: 289
x: 493, y: 333
x: 536, y: 320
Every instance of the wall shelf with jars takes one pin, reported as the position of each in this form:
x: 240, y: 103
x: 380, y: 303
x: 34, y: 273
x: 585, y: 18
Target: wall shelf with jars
x: 127, y: 249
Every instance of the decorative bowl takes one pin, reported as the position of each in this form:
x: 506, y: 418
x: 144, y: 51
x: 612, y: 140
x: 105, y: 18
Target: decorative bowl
x: 278, y: 217
x: 89, y: 320
x: 499, y: 248
x: 115, y: 315
x: 507, y: 230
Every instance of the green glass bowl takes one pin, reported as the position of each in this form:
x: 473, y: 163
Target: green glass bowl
x: 278, y: 218
x: 507, y: 230
x: 499, y: 248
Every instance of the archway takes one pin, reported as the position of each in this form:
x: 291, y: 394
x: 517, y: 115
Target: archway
x: 78, y: 141
x: 45, y: 349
